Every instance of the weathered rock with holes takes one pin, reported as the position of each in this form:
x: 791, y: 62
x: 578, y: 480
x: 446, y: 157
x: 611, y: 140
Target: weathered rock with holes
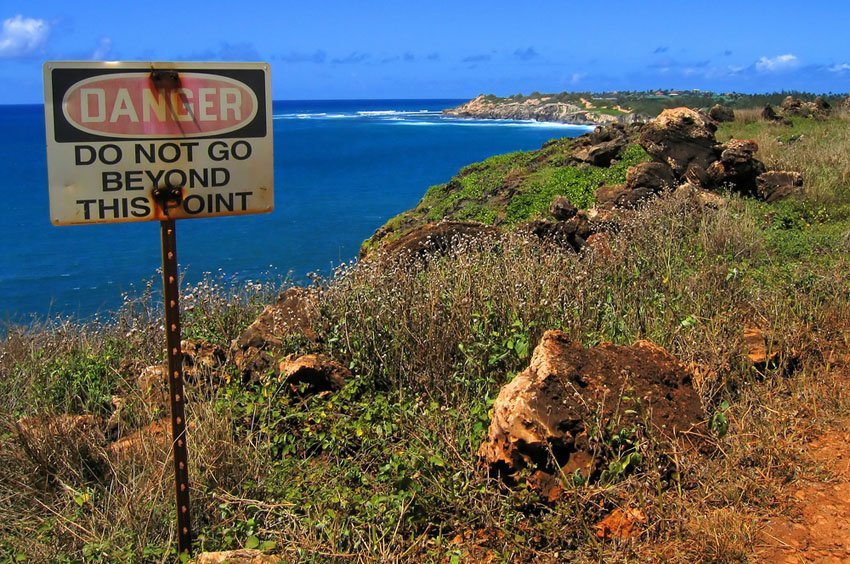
x: 776, y: 185
x: 681, y: 137
x: 313, y: 374
x: 545, y: 416
x: 621, y: 196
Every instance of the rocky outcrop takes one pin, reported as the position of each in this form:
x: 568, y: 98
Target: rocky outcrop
x: 293, y: 316
x: 653, y: 176
x: 434, y: 239
x: 818, y: 108
x: 547, y: 416
x: 769, y: 114
x: 681, y: 137
x: 538, y: 109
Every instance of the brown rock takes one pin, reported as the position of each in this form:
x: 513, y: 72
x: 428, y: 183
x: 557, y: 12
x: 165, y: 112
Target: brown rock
x: 138, y: 442
x: 562, y: 209
x: 653, y: 176
x: 571, y: 234
x: 202, y: 361
x: 620, y: 196
x: 680, y: 137
x: 760, y: 350
x: 793, y: 106
x: 295, y: 314
x: 434, y: 239
x: 241, y: 556
x: 313, y: 374
x: 153, y: 384
x: 737, y: 168
x: 721, y: 113
x: 544, y: 417
x: 601, y: 146
x: 776, y: 185
x: 768, y: 114
x: 621, y: 524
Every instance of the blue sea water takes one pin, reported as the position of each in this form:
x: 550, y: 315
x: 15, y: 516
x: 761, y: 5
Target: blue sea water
x: 342, y: 168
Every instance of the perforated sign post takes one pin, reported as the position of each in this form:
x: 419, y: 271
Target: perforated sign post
x: 159, y: 142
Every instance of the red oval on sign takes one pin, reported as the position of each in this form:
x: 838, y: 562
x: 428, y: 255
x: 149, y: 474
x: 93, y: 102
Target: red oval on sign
x: 128, y: 105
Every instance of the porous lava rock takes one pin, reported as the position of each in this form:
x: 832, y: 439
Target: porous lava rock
x: 544, y: 417
x: 681, y: 137
x: 737, y: 167
x: 654, y: 176
x: 313, y: 374
x: 601, y: 146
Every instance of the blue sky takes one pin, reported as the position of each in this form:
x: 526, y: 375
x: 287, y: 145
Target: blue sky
x: 440, y: 49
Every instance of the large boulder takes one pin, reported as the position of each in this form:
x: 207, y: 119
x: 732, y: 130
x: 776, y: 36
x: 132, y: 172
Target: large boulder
x: 792, y: 106
x: 681, y: 137
x: 547, y: 416
x: 294, y: 315
x: 721, y: 113
x: 601, y: 146
x: 621, y: 196
x: 654, y: 176
x: 769, y: 114
x: 737, y: 167
x: 776, y: 185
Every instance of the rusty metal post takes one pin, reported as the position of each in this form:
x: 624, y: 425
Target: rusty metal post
x: 170, y: 281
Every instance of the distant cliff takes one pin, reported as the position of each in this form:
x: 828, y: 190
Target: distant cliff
x: 543, y: 108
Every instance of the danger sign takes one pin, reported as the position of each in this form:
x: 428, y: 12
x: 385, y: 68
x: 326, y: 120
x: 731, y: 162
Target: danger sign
x: 118, y: 132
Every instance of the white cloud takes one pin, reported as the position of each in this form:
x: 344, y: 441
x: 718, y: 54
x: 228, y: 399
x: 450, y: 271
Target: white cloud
x: 778, y: 63
x: 841, y: 68
x: 22, y: 36
x: 103, y: 49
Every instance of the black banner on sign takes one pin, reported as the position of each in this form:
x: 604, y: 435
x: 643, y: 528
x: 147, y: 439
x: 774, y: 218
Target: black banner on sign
x: 65, y: 78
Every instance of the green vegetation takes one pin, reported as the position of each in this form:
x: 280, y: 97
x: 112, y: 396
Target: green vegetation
x: 386, y: 468
x: 653, y: 102
x: 509, y: 189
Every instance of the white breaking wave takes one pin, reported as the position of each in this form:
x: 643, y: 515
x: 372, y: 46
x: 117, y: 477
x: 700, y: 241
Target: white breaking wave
x: 499, y: 123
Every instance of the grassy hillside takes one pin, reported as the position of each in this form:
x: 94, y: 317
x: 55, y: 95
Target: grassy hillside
x: 386, y: 468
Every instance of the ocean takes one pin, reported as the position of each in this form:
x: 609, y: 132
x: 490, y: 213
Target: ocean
x: 342, y: 168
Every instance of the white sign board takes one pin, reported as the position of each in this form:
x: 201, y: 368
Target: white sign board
x: 118, y: 131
